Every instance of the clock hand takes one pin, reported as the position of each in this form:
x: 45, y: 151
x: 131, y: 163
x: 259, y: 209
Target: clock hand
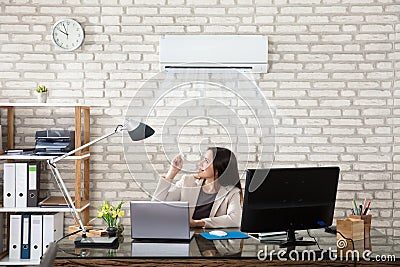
x: 66, y: 32
x: 63, y: 32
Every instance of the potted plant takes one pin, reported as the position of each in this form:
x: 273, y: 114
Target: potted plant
x: 42, y: 92
x: 111, y: 215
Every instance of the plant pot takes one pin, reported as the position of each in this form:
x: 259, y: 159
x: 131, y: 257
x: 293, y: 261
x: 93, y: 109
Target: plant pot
x: 42, y: 97
x: 112, y: 231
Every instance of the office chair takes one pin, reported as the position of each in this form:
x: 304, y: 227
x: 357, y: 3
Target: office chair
x: 50, y: 255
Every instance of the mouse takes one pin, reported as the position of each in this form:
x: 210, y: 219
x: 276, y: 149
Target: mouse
x: 218, y: 233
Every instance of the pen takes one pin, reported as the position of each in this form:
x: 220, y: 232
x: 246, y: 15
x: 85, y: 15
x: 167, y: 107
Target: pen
x: 367, y: 208
x: 360, y: 207
x: 366, y: 211
x: 352, y: 212
x: 365, y: 202
x: 355, y: 206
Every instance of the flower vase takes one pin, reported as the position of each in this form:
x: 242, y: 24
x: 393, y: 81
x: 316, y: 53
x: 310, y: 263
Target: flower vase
x: 112, y: 231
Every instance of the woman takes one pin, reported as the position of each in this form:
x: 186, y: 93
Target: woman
x: 214, y: 194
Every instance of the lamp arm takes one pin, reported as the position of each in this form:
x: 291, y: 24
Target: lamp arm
x: 66, y: 194
x: 57, y: 159
x: 52, y: 163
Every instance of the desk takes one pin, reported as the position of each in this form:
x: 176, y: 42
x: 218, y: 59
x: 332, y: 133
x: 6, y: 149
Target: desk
x: 238, y: 252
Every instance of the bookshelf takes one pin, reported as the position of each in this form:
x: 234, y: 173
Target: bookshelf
x: 25, y: 157
x: 85, y: 204
x: 81, y: 164
x: 7, y: 262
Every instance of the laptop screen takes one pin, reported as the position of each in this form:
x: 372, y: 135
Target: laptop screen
x: 160, y: 220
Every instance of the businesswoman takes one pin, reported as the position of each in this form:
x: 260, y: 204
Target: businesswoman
x: 214, y: 194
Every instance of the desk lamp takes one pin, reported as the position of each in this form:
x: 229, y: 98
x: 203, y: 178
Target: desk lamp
x: 137, y: 131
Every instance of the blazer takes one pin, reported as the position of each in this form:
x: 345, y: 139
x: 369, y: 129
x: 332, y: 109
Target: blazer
x: 225, y: 212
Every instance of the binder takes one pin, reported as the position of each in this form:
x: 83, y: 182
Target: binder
x: 2, y: 234
x: 36, y: 236
x: 21, y: 184
x: 14, y: 251
x: 26, y: 237
x: 9, y: 185
x: 53, y: 225
x: 33, y: 184
x: 1, y: 141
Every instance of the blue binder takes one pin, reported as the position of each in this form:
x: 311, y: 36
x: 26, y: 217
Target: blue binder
x: 230, y: 235
x: 26, y: 237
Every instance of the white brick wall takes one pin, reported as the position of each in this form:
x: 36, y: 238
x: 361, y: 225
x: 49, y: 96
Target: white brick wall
x: 333, y: 81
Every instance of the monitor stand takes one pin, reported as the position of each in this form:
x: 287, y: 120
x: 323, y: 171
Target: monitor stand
x: 292, y: 241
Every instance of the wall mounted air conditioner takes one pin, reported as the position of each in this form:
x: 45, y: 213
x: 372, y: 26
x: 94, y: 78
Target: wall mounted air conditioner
x: 248, y: 53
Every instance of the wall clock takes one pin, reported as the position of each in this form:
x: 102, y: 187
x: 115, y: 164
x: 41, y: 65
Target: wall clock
x: 67, y: 34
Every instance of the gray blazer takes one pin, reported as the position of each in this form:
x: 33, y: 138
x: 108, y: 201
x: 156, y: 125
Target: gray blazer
x: 225, y: 212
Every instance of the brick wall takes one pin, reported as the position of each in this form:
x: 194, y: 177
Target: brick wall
x: 333, y: 81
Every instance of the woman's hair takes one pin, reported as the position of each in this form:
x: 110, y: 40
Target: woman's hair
x: 226, y: 167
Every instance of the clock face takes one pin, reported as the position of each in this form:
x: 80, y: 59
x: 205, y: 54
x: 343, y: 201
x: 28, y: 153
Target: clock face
x: 67, y: 34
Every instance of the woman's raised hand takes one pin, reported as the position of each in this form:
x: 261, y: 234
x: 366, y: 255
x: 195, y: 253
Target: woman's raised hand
x: 175, y: 167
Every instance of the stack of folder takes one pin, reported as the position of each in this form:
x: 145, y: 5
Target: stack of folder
x: 21, y: 185
x: 31, y: 234
x: 54, y: 142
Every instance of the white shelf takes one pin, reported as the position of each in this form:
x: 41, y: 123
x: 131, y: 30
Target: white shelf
x: 42, y: 105
x: 33, y: 157
x: 6, y: 261
x: 39, y: 209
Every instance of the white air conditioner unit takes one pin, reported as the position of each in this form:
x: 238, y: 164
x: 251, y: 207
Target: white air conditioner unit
x: 248, y: 53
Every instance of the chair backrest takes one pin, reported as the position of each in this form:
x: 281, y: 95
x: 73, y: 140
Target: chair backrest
x: 50, y: 255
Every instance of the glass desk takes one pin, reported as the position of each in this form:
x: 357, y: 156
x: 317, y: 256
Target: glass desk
x: 379, y: 250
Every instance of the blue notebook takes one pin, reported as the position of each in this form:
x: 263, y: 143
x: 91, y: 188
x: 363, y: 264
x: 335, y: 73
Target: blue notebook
x: 230, y: 235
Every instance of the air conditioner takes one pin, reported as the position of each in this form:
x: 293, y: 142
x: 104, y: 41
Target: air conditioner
x: 248, y: 53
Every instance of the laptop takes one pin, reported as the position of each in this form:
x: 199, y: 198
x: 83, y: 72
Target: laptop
x: 153, y: 220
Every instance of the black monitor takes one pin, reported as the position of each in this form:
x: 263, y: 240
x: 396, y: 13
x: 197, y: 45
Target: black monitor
x: 289, y: 199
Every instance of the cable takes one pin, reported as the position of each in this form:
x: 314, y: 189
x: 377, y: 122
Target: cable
x: 67, y: 235
x: 313, y: 237
x: 326, y: 261
x: 352, y: 243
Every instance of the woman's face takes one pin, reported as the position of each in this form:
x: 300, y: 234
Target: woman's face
x: 206, y: 168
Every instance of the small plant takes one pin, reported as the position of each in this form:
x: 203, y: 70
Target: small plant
x: 41, y: 89
x: 111, y: 214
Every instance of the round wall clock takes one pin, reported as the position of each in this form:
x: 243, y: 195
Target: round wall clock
x: 67, y: 34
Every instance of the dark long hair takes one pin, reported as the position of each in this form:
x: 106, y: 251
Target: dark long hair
x: 226, y: 167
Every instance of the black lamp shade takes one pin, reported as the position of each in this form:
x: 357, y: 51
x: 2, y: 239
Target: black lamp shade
x: 140, y: 132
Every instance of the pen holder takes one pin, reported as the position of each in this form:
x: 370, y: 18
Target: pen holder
x: 367, y: 223
x: 351, y: 228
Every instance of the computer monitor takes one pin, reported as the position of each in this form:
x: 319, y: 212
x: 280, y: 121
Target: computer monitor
x: 290, y: 199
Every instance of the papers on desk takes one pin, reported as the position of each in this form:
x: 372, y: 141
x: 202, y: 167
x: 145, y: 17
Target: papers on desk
x: 272, y: 237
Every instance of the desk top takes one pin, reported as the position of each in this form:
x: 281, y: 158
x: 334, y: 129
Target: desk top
x: 380, y: 245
